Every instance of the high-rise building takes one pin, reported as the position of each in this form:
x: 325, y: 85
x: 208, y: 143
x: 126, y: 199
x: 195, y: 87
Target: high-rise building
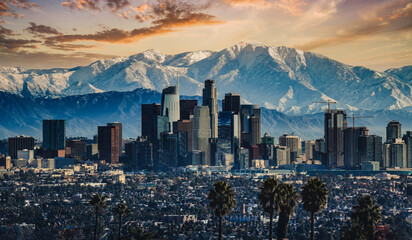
x: 309, y: 149
x: 186, y: 108
x: 77, y: 147
x: 397, y: 153
x: 139, y: 154
x: 120, y: 134
x: 19, y: 143
x: 335, y: 123
x: 171, y: 105
x: 149, y: 118
x: 250, y: 125
x: 282, y: 155
x: 185, y: 126
x: 54, y: 134
x: 231, y: 103
x: 108, y: 143
x: 351, y: 136
x: 267, y: 151
x: 393, y: 130
x: 293, y: 143
x: 92, y: 151
x: 201, y: 132
x: 370, y: 148
x: 407, y: 138
x: 210, y: 100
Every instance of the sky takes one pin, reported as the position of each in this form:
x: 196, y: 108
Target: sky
x: 66, y: 33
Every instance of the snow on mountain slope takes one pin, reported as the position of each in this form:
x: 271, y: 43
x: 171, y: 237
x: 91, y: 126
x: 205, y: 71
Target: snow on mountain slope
x: 404, y: 73
x: 281, y: 78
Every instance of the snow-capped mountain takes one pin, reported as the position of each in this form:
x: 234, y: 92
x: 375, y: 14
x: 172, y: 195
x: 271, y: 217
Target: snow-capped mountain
x: 285, y: 79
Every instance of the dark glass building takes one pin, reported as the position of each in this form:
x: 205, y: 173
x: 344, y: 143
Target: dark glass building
x: 335, y: 123
x: 108, y: 143
x: 19, y: 143
x: 186, y: 108
x: 54, y: 134
x: 149, y: 118
x: 231, y: 103
x: 393, y: 131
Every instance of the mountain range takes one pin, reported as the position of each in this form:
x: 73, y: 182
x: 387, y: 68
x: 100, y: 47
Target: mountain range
x: 284, y: 81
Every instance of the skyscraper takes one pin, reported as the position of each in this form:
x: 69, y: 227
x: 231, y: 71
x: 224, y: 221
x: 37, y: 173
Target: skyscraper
x: 149, y: 118
x: 407, y: 138
x: 370, y: 148
x: 397, y: 154
x: 186, y: 108
x: 210, y: 100
x: 250, y: 125
x: 19, y: 143
x: 351, y: 136
x: 293, y: 143
x: 54, y: 134
x: 108, y: 143
x: 231, y: 102
x: 393, y: 130
x: 120, y: 134
x: 201, y: 132
x: 171, y: 105
x: 335, y: 123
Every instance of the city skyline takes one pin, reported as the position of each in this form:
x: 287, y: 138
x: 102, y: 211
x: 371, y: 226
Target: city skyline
x: 46, y: 34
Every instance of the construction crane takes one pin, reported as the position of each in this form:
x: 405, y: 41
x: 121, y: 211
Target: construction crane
x: 328, y: 102
x: 353, y: 133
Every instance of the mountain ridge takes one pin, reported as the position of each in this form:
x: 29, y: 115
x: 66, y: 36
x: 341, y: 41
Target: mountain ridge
x: 281, y: 78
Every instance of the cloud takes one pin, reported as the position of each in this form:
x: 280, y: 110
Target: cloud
x: 6, y: 9
x: 5, y: 31
x: 9, y: 44
x: 41, y: 29
x: 165, y: 16
x: 392, y: 17
x: 43, y: 60
x: 82, y: 4
x: 116, y: 5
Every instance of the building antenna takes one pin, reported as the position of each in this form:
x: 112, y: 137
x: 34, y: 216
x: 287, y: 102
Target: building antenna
x: 177, y: 73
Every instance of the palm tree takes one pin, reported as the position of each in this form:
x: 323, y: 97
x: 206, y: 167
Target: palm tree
x: 120, y: 209
x: 267, y: 199
x: 286, y: 201
x: 222, y: 201
x: 314, y: 198
x: 98, y: 201
x: 366, y: 215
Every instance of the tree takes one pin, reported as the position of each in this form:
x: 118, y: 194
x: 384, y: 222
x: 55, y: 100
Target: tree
x: 222, y: 201
x: 286, y: 201
x: 267, y: 199
x: 314, y: 199
x: 366, y: 215
x: 120, y: 209
x: 98, y: 201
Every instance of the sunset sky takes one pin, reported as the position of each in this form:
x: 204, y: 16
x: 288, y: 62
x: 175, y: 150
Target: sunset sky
x: 67, y: 33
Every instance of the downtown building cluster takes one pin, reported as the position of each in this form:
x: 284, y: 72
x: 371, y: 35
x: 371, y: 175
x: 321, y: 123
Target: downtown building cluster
x: 181, y: 132
x: 354, y: 148
x: 186, y: 132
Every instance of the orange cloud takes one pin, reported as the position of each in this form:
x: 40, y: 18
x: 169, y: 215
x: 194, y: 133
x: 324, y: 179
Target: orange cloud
x: 166, y: 16
x: 6, y: 10
x: 394, y: 17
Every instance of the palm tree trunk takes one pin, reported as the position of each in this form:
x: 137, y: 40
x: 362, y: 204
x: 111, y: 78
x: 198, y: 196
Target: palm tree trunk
x: 271, y: 226
x: 96, y: 223
x: 282, y: 225
x: 120, y: 226
x: 312, y: 226
x: 220, y: 227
